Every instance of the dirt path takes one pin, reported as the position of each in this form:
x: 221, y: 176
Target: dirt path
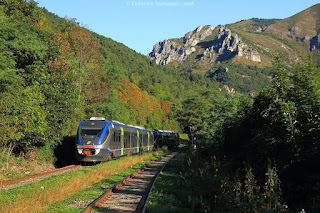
x: 132, y: 196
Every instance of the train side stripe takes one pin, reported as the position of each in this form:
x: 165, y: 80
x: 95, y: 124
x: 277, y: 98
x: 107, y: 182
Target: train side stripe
x: 104, y: 130
x: 79, y: 137
x: 122, y: 140
x: 138, y: 141
x: 119, y: 150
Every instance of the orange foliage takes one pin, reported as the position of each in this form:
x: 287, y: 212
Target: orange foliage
x: 138, y: 102
x: 59, y: 63
x: 86, y: 49
x: 165, y: 107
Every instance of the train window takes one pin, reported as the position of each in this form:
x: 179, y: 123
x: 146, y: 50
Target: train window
x: 151, y: 138
x: 130, y: 140
x: 113, y: 140
x: 126, y: 139
x: 117, y: 137
x: 112, y: 137
x: 90, y: 133
x: 116, y: 142
x: 107, y: 133
x: 133, y: 139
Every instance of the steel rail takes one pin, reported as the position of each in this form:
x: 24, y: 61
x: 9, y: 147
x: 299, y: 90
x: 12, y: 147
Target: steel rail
x: 108, y: 194
x: 17, y: 180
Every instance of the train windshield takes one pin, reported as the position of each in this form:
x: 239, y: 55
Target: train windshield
x: 90, y: 133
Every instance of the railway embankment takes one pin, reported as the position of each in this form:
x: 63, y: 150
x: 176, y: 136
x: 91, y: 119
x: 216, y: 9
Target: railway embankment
x: 75, y: 189
x: 132, y: 193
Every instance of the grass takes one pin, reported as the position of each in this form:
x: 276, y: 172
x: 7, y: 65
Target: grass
x: 53, y: 193
x: 170, y: 193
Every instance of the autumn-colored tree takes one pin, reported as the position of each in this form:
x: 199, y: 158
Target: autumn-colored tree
x: 165, y: 107
x: 86, y: 54
x: 140, y: 104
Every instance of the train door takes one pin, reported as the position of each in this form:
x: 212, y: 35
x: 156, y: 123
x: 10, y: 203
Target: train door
x: 130, y: 139
x: 138, y: 141
x: 122, y: 140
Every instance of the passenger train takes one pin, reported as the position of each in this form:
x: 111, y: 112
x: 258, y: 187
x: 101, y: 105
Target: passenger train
x: 100, y: 139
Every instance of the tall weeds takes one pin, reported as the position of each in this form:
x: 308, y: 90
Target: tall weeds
x: 6, y: 154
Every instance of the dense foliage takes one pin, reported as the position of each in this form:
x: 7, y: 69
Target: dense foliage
x: 263, y: 156
x: 258, y: 155
x: 54, y: 73
x: 244, y: 79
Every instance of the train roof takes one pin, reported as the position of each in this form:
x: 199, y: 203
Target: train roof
x: 167, y: 131
x: 117, y: 122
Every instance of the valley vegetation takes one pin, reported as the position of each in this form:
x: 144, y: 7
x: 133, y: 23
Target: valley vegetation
x: 55, y: 73
x: 254, y: 154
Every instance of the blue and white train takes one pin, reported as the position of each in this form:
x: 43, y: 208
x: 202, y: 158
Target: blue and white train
x: 100, y: 139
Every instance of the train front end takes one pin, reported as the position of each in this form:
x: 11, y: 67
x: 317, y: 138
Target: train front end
x: 92, y: 140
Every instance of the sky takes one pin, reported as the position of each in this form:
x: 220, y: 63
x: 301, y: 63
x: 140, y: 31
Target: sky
x: 139, y: 24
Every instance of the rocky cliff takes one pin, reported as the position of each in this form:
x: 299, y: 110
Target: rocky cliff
x: 166, y: 51
x: 240, y: 55
x: 224, y: 45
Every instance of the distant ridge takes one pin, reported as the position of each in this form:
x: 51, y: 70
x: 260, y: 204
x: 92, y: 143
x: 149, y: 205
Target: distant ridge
x: 304, y: 27
x: 240, y: 54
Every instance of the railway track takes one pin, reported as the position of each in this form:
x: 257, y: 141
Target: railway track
x: 8, y: 184
x: 131, y: 194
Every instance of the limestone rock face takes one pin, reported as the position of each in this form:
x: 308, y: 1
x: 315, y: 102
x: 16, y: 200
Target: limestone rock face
x: 192, y: 38
x: 230, y: 44
x: 166, y: 51
x: 224, y: 46
x: 230, y: 91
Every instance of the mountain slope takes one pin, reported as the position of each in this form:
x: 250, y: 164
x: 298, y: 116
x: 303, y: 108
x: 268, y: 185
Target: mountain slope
x: 303, y: 26
x: 55, y: 73
x: 249, y: 44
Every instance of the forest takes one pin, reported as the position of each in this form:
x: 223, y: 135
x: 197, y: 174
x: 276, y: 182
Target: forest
x: 257, y: 154
x: 55, y: 73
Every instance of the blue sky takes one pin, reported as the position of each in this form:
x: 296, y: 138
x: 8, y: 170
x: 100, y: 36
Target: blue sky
x: 140, y: 24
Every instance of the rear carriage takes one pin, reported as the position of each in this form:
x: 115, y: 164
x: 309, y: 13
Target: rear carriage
x: 166, y: 138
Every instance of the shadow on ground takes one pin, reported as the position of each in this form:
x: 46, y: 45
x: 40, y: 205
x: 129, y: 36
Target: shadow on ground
x: 65, y: 152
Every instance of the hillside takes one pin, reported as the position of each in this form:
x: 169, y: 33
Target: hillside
x: 256, y: 154
x: 55, y: 73
x: 239, y: 55
x: 303, y: 27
